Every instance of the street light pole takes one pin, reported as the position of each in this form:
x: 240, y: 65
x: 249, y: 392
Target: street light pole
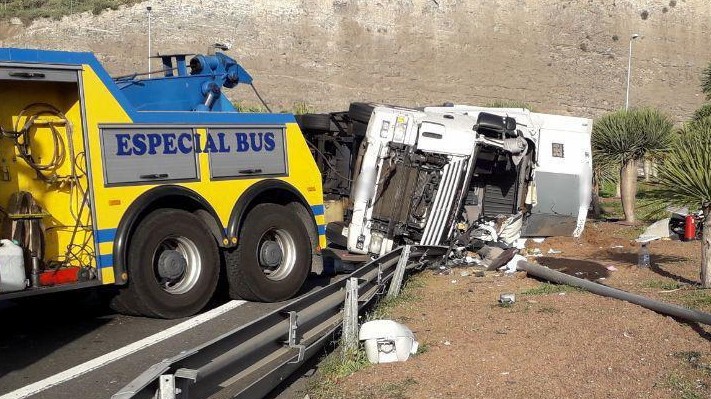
x: 629, y: 71
x: 148, y: 9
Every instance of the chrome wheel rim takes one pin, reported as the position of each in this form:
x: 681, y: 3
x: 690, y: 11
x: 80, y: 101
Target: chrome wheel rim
x: 276, y: 254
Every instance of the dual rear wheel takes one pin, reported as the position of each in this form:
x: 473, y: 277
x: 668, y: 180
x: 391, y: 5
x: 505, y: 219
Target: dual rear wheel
x: 174, y: 262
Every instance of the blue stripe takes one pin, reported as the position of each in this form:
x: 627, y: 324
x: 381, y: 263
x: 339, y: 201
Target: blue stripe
x: 321, y: 229
x: 106, y: 235
x: 317, y: 210
x: 183, y: 117
x: 105, y: 261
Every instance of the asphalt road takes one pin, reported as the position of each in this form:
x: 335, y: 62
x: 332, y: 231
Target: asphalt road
x: 41, y: 339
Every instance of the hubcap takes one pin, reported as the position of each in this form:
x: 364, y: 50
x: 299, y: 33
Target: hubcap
x: 270, y: 255
x: 177, y: 264
x: 277, y: 254
x: 171, y: 264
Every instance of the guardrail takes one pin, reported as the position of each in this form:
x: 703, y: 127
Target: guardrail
x: 250, y: 361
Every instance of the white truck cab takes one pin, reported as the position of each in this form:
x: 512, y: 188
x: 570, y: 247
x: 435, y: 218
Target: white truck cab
x: 426, y: 171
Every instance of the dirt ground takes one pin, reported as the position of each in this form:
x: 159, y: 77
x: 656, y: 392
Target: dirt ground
x: 555, y: 341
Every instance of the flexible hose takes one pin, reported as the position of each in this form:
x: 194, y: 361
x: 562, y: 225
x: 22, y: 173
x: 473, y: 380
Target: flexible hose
x: 32, y: 115
x: 599, y: 289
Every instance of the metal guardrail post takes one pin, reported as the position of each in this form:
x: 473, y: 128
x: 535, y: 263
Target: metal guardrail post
x: 399, y: 274
x: 349, y: 338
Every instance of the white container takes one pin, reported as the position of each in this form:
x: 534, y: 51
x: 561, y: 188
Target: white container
x: 387, y: 341
x: 12, y: 267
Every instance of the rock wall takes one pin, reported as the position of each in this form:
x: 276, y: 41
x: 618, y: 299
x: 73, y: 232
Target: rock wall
x: 560, y: 56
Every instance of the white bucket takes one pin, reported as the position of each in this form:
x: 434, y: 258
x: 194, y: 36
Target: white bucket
x: 12, y: 267
x: 387, y: 341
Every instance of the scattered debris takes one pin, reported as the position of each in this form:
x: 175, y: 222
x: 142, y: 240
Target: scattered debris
x: 479, y: 273
x: 507, y: 299
x: 387, y: 341
x: 464, y: 274
x: 447, y: 343
x: 510, y: 266
x: 611, y: 268
x: 616, y: 246
x: 554, y: 251
x: 536, y: 252
x: 538, y: 240
x: 657, y: 230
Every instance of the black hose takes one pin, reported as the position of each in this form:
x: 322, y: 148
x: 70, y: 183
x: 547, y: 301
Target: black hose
x: 599, y: 289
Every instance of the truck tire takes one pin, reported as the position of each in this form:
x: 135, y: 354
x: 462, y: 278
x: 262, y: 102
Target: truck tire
x: 273, y: 255
x: 173, y: 265
x: 314, y: 122
x: 360, y: 112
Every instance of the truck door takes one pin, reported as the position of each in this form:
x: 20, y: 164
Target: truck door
x: 563, y: 177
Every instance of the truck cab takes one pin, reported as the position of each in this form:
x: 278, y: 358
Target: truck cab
x: 426, y: 176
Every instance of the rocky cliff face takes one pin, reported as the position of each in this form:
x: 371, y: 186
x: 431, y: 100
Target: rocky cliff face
x: 560, y: 56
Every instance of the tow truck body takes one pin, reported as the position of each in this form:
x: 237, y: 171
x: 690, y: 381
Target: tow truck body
x: 90, y: 162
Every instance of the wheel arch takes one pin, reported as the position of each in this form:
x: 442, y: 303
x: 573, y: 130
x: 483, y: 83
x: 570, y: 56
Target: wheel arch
x: 168, y: 196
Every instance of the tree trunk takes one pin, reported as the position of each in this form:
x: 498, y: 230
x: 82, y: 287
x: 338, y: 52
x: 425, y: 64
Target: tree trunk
x: 597, y: 210
x: 706, y: 250
x: 628, y: 188
x: 618, y: 191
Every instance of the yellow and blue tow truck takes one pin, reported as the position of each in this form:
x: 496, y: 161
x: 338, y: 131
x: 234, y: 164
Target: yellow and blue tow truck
x: 156, y: 185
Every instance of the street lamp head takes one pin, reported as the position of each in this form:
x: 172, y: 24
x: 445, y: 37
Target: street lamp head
x: 634, y: 36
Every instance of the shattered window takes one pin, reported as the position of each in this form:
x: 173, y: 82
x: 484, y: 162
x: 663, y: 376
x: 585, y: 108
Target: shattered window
x: 558, y: 150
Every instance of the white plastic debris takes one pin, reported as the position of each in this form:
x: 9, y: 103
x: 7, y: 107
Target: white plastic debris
x: 507, y: 299
x: 538, y: 240
x: 554, y: 251
x: 387, y: 341
x: 520, y: 243
x: 659, y: 229
x: 643, y: 239
x: 510, y: 267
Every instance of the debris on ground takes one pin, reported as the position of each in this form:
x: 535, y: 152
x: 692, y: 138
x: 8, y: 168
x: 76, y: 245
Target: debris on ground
x: 387, y: 341
x: 659, y: 229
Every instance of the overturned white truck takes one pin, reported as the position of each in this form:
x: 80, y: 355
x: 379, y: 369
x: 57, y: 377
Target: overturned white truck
x: 430, y: 175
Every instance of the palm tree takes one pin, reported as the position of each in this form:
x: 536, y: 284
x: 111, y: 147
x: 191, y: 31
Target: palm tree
x: 685, y: 179
x: 626, y: 136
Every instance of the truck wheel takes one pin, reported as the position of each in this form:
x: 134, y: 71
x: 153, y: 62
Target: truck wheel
x: 360, y: 112
x: 173, y: 265
x: 314, y: 122
x: 273, y: 255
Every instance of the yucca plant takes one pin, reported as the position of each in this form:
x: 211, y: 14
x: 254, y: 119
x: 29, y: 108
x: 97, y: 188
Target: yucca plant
x: 703, y: 112
x: 706, y: 81
x: 685, y: 179
x: 623, y: 138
